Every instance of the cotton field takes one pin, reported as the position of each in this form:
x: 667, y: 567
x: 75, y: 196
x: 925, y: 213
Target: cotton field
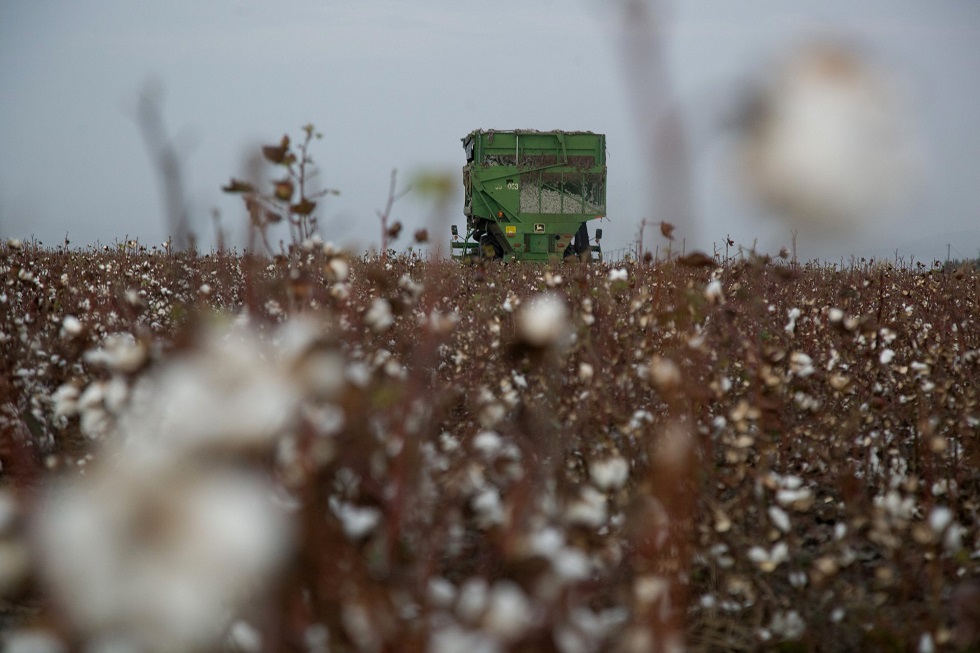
x: 330, y: 452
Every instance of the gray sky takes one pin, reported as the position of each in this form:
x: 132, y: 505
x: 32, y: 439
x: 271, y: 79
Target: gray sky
x: 396, y: 84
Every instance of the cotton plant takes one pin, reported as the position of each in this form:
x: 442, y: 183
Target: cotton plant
x: 154, y: 558
x: 826, y: 143
x: 443, y: 483
x: 174, y: 525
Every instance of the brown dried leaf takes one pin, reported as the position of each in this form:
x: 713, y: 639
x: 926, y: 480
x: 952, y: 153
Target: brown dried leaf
x: 238, y: 186
x: 303, y: 207
x: 697, y: 260
x: 277, y: 153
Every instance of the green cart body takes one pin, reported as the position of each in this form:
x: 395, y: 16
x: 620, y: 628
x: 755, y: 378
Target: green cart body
x: 529, y: 194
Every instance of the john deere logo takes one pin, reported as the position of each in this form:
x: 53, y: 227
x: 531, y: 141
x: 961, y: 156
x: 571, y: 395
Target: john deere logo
x: 539, y: 227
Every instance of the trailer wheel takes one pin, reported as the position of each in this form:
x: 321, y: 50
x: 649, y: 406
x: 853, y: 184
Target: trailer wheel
x: 489, y: 247
x: 579, y: 247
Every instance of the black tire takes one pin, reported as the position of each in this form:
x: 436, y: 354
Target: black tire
x: 579, y: 247
x: 489, y: 247
x: 582, y: 240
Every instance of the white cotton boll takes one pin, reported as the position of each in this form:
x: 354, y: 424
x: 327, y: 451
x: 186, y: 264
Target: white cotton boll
x: 552, y: 280
x: 296, y: 337
x: 339, y: 268
x: 359, y: 626
x: 939, y: 518
x: 586, y: 629
x: 791, y: 482
x: 120, y: 352
x: 358, y: 373
x: 357, y: 521
x: 491, y: 414
x: 217, y: 406
x: 926, y: 644
x: 412, y: 288
x: 767, y: 561
x: 618, y: 274
x: 70, y: 326
x: 94, y: 420
x: 453, y: 639
x: 780, y: 552
x: 798, y: 579
x: 543, y: 321
x: 93, y: 396
x: 788, y: 625
x: 488, y: 443
x: 779, y: 518
x: 794, y: 315
x: 95, y: 423
x: 589, y: 509
x: 713, y: 292
x: 379, y: 317
x: 65, y: 400
x: 895, y: 505
x: 340, y: 291
x: 887, y: 356
x: 758, y: 554
x: 609, y: 473
x: 244, y: 637
x: 571, y: 564
x: 826, y: 145
x: 650, y: 589
x: 472, y: 601
x: 835, y: 315
x: 801, y: 364
x: 509, y: 611
x: 441, y: 592
x: 570, y: 639
x: 953, y: 540
x: 234, y: 391
x: 488, y: 507
x: 156, y: 556
x: 116, y: 394
x: 546, y: 542
x: 791, y: 498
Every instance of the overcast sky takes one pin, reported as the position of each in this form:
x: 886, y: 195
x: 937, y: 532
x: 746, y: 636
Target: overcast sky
x: 395, y: 84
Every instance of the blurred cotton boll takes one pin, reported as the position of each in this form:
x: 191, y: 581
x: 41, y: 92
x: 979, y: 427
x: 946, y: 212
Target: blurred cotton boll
x: 543, y: 321
x: 153, y: 548
x: 826, y: 144
x: 235, y: 391
x: 155, y: 558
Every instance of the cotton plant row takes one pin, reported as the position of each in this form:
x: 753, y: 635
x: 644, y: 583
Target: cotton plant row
x: 331, y: 452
